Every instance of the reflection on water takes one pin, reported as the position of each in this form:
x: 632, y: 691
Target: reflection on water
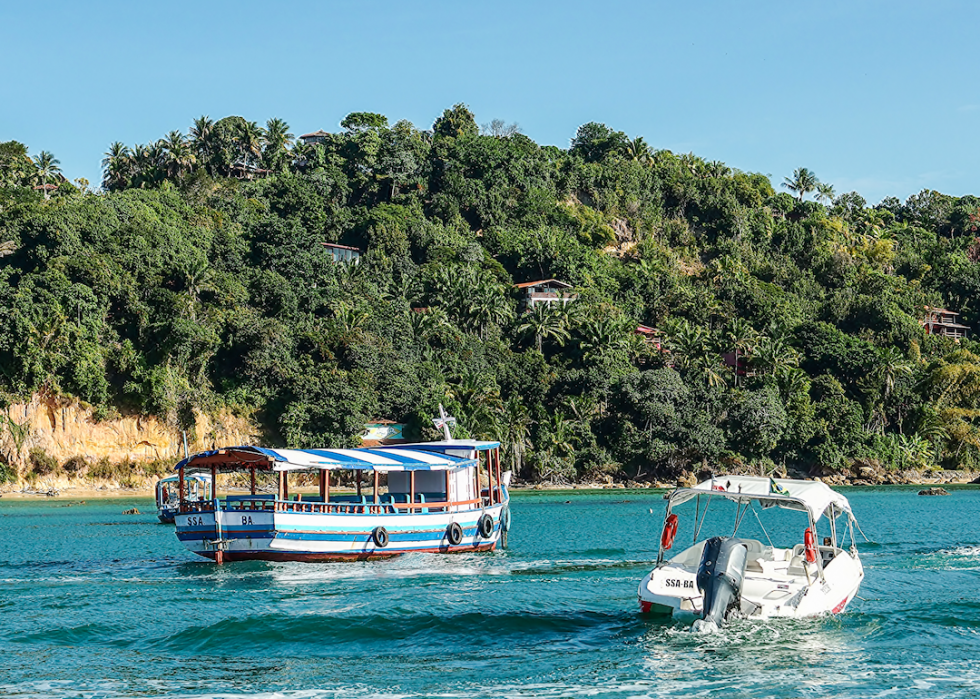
x: 91, y: 611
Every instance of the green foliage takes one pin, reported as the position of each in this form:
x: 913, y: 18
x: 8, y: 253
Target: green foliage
x: 789, y: 330
x: 41, y: 463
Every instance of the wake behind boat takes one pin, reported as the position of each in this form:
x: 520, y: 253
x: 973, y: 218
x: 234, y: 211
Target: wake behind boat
x: 434, y: 502
x: 720, y: 575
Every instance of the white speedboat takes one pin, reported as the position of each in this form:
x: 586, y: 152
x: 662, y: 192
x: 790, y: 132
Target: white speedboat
x: 726, y: 574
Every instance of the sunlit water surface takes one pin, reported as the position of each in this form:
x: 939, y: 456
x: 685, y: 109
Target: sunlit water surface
x: 96, y: 604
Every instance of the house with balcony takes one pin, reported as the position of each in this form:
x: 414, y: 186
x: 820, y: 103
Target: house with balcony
x: 315, y: 137
x: 940, y: 321
x: 651, y: 336
x: 544, y: 291
x: 343, y: 253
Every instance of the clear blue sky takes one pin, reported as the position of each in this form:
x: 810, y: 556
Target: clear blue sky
x: 876, y: 96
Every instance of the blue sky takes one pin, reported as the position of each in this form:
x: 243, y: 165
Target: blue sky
x: 878, y: 97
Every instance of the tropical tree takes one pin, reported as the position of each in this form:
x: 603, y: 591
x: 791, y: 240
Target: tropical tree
x: 825, y: 192
x: 803, y: 182
x: 516, y: 434
x: 278, y: 140
x: 201, y: 141
x: 738, y: 337
x: 178, y: 157
x: 545, y: 324
x: 115, y: 167
x: 249, y: 137
x: 638, y: 151
x: 47, y: 167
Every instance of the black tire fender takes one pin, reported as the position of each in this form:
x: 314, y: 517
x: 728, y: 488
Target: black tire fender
x: 380, y: 536
x: 454, y: 533
x: 485, y: 526
x: 505, y: 519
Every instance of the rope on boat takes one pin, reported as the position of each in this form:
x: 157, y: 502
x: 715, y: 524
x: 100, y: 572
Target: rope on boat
x: 856, y: 524
x: 756, y: 515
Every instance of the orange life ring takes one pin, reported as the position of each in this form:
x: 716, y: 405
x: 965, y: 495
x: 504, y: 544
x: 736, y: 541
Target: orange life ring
x: 810, y: 543
x: 670, y: 531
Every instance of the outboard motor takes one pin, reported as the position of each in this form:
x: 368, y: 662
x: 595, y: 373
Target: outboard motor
x: 720, y: 576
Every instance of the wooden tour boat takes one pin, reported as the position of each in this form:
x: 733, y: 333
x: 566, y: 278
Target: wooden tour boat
x: 434, y: 502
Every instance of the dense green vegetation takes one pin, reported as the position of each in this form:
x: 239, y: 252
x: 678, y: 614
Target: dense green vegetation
x: 197, y: 279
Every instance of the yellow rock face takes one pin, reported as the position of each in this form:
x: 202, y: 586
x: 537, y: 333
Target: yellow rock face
x: 64, y: 428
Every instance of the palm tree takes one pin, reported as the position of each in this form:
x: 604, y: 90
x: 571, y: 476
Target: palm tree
x: 277, y: 142
x: 47, y: 167
x: 487, y: 305
x: 825, y: 192
x: 114, y: 166
x: 892, y: 364
x: 249, y: 137
x: 638, y: 151
x: 771, y: 355
x: 516, y: 437
x: 803, y: 182
x: 201, y: 136
x: 545, y: 324
x: 687, y: 344
x: 738, y: 336
x: 178, y: 155
x: 603, y: 335
x: 557, y: 448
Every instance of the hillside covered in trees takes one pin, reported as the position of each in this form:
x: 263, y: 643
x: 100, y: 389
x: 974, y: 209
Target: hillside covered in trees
x: 197, y: 278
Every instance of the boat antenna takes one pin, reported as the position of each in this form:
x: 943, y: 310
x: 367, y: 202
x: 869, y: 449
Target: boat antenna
x: 444, y: 421
x: 184, y: 432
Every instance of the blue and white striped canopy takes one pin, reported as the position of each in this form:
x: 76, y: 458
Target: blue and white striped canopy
x: 388, y: 459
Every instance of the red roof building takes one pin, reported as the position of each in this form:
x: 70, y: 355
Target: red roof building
x: 546, y: 291
x: 939, y: 321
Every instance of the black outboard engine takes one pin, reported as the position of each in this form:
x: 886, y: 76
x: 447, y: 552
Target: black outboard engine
x: 720, y: 576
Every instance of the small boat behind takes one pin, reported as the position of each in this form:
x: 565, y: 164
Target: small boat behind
x: 425, y: 497
x: 721, y: 575
x: 197, y: 487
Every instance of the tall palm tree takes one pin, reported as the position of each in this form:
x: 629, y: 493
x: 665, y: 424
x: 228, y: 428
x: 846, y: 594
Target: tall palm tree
x: 201, y: 137
x: 771, y: 355
x: 47, y: 167
x: 825, y: 192
x: 803, y: 182
x: 545, y: 324
x: 687, y: 344
x: 487, y: 306
x: 739, y: 337
x: 114, y: 166
x: 178, y: 156
x: 891, y: 364
x: 249, y: 137
x: 516, y: 437
x: 638, y: 151
x: 277, y: 142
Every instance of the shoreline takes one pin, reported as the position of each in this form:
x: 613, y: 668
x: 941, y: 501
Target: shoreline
x: 84, y: 493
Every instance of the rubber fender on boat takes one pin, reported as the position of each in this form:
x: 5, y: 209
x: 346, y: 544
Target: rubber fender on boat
x: 380, y: 536
x: 454, y: 533
x: 505, y: 519
x: 485, y: 526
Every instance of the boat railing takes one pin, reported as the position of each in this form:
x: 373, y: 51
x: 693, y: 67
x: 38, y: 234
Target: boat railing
x: 266, y: 504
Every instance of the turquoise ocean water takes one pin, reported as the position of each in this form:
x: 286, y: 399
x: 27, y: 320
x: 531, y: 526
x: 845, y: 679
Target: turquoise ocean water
x: 97, y: 604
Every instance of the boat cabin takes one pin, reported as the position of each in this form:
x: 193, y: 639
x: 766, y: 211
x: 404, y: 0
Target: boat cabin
x: 432, y: 496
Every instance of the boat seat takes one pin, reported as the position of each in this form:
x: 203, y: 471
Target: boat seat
x: 797, y: 567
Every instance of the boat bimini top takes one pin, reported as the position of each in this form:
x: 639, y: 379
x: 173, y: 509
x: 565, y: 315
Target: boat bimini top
x: 406, y: 457
x: 813, y: 497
